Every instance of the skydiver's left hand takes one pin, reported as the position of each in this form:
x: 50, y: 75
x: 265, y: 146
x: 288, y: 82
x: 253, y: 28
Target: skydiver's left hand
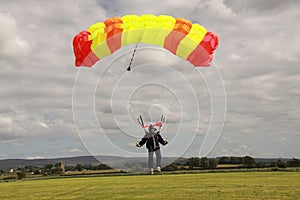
x: 137, y: 144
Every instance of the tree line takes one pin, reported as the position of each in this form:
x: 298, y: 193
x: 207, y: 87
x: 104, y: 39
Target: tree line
x: 235, y: 161
x: 53, y: 169
x: 180, y: 164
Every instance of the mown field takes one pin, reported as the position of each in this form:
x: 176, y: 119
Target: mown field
x: 217, y: 185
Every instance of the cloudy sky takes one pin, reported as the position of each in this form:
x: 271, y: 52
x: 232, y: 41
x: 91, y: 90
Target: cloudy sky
x: 47, y: 105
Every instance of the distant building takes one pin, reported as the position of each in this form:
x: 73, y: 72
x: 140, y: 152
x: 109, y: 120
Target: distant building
x: 62, y: 166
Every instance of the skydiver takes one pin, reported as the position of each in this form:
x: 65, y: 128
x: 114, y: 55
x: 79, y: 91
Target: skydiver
x: 152, y: 139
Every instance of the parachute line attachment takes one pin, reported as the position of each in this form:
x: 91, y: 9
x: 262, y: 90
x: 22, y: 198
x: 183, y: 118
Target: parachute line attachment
x: 131, y: 60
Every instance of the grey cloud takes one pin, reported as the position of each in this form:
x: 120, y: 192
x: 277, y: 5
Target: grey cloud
x: 259, y: 7
x: 12, y: 46
x: 258, y: 57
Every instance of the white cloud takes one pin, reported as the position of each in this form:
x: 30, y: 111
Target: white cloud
x: 35, y: 157
x: 74, y: 150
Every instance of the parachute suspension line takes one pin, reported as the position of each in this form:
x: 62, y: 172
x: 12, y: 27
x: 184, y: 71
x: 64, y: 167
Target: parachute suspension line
x: 131, y: 60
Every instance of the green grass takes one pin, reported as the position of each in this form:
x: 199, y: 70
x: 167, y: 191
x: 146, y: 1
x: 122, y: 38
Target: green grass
x: 229, y: 185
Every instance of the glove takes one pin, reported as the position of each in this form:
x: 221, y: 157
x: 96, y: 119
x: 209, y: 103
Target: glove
x: 137, y: 144
x: 165, y: 142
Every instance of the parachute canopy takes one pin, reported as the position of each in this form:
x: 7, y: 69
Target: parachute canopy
x: 189, y: 41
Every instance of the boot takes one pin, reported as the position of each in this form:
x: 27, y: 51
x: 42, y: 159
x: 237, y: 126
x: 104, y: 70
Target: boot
x: 151, y: 171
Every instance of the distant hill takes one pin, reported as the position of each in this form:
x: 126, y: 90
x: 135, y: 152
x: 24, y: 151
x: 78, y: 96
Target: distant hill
x: 15, y: 163
x: 108, y: 160
x: 83, y: 160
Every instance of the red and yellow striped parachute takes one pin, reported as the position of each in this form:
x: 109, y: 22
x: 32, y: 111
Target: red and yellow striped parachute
x: 189, y: 41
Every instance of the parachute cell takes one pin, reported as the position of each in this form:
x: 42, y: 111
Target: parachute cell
x: 179, y: 36
x: 82, y: 50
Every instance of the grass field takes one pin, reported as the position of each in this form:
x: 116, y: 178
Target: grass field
x: 229, y: 185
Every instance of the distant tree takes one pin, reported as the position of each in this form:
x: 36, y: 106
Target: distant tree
x: 294, y: 162
x: 104, y: 167
x: 204, y: 162
x: 262, y: 165
x: 193, y: 162
x: 56, y: 170
x: 70, y: 168
x: 230, y: 160
x: 37, y: 171
x: 213, y: 163
x: 21, y: 174
x: 48, y: 167
x: 223, y: 160
x: 79, y: 167
x: 236, y: 160
x: 171, y: 167
x: 47, y: 170
x: 30, y: 168
x: 248, y: 162
x: 281, y: 164
x: 88, y: 167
